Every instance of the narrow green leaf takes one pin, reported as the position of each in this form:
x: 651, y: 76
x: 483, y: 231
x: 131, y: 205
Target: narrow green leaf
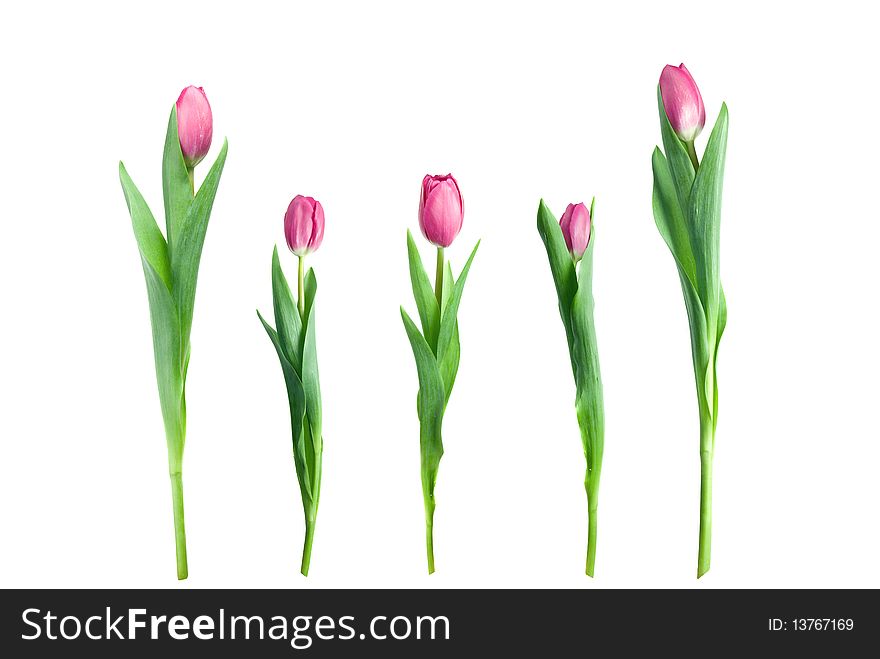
x: 585, y: 362
x: 310, y: 379
x: 187, y: 250
x: 297, y: 401
x: 287, y: 318
x: 168, y: 361
x: 449, y: 365
x: 704, y: 216
x: 680, y: 166
x: 311, y: 288
x: 177, y: 187
x: 561, y: 264
x: 426, y: 301
x: 449, y: 317
x: 150, y: 240
x: 431, y: 401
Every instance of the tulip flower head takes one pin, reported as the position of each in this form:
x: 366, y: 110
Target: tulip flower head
x: 441, y: 209
x: 575, y: 225
x: 304, y: 225
x: 682, y: 102
x: 195, y: 125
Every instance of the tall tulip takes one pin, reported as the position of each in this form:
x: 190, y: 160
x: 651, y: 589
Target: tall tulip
x: 195, y: 125
x: 575, y: 225
x: 304, y: 231
x: 684, y: 105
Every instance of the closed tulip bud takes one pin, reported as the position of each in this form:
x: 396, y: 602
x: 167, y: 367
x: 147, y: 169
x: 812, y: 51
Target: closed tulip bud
x: 682, y: 102
x: 195, y: 125
x: 575, y: 225
x: 441, y: 209
x: 304, y: 225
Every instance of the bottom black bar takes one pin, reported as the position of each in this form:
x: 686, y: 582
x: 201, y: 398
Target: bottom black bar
x: 268, y: 623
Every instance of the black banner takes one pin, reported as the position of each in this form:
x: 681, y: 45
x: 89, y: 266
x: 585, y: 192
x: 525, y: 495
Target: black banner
x: 434, y: 623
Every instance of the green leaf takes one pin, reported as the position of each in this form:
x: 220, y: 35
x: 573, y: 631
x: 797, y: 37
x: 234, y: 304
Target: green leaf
x: 449, y: 365
x: 150, y: 240
x: 669, y: 218
x: 169, y: 362
x: 585, y: 362
x: 704, y: 216
x: 311, y: 288
x: 177, y: 188
x: 426, y: 302
x: 431, y: 402
x: 310, y: 379
x: 561, y: 264
x: 187, y: 250
x: 680, y: 166
x: 287, y: 318
x: 449, y: 317
x: 297, y: 401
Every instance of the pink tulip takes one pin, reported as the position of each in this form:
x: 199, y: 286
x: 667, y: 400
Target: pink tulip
x: 682, y: 102
x: 195, y: 125
x: 441, y: 209
x: 575, y: 225
x: 304, y: 225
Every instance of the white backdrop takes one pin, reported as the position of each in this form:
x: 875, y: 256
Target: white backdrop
x: 353, y: 103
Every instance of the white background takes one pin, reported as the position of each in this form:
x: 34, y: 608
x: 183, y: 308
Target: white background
x: 353, y: 103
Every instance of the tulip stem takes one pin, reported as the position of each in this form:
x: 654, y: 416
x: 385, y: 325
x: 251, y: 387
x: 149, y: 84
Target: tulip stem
x: 300, y: 303
x: 179, y: 527
x: 307, y: 547
x: 706, y: 452
x: 692, y: 153
x: 191, y: 176
x: 438, y: 282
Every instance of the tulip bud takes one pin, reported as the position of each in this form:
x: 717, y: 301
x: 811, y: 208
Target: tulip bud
x: 304, y: 225
x: 575, y: 225
x: 195, y: 125
x: 682, y: 102
x: 441, y: 209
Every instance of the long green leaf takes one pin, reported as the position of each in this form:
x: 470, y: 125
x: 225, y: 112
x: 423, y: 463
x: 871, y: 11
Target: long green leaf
x: 449, y: 365
x: 169, y: 363
x: 187, y: 251
x: 150, y: 240
x: 431, y: 401
x: 704, y: 216
x: 426, y: 302
x: 588, y: 379
x: 297, y: 401
x: 449, y: 317
x: 177, y: 187
x: 287, y: 318
x: 311, y: 381
x: 561, y: 265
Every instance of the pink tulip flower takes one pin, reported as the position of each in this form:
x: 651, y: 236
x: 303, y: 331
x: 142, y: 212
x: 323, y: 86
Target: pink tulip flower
x: 575, y: 225
x: 304, y: 225
x: 195, y: 125
x: 682, y: 102
x: 441, y: 209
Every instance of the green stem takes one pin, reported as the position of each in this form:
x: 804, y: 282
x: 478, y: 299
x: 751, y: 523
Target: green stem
x: 300, y: 300
x: 191, y: 175
x: 179, y: 527
x: 591, y: 542
x: 705, y: 553
x: 429, y: 532
x: 692, y: 152
x: 307, y: 547
x: 438, y: 281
